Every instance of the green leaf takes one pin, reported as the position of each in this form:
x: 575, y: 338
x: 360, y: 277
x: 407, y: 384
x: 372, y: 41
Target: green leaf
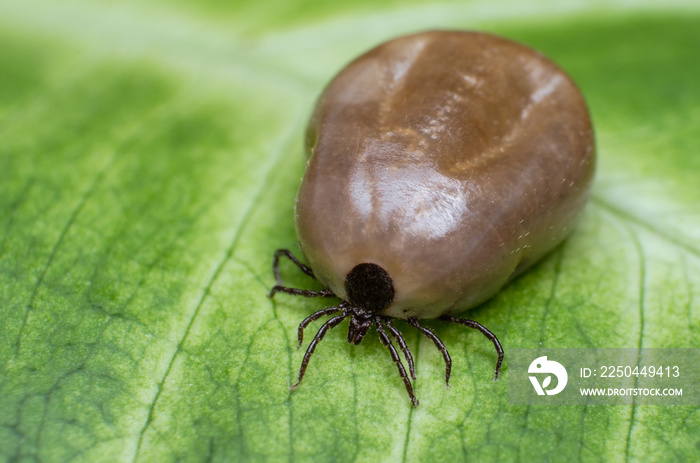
x: 149, y: 158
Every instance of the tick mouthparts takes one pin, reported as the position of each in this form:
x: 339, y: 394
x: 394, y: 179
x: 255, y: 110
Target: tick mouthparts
x: 353, y: 338
x: 357, y: 330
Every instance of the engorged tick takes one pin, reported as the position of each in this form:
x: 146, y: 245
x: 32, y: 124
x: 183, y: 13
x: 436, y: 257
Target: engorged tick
x: 441, y: 166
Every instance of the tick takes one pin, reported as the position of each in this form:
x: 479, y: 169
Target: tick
x: 441, y: 165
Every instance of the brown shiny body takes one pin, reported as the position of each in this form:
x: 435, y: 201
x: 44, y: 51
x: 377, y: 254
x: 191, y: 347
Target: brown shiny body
x: 453, y: 160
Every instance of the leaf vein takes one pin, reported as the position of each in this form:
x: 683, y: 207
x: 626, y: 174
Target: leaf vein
x: 237, y: 233
x: 71, y: 220
x: 629, y: 217
x: 640, y: 342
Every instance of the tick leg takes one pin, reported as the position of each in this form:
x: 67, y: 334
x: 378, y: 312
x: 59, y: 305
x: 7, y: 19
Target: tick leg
x: 300, y: 292
x: 397, y: 360
x: 313, y: 317
x: 332, y: 323
x: 478, y: 326
x: 288, y: 254
x: 439, y: 344
x: 404, y: 348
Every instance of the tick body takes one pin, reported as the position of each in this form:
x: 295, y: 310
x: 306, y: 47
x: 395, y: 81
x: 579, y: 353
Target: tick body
x: 441, y: 166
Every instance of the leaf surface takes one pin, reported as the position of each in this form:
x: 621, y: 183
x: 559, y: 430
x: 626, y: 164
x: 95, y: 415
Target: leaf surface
x: 150, y: 157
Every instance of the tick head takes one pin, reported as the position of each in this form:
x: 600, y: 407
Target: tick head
x: 369, y: 287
